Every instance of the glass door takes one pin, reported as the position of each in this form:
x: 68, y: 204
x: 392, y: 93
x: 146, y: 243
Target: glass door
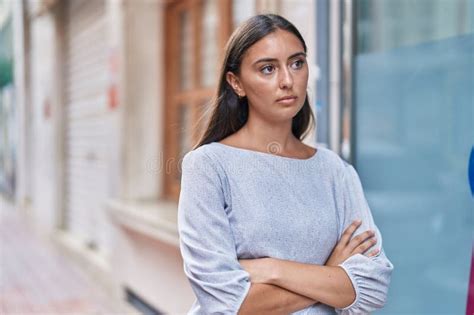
x: 413, y: 125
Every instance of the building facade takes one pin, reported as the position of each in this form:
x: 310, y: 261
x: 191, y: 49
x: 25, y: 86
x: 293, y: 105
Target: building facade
x: 111, y: 91
x: 108, y: 95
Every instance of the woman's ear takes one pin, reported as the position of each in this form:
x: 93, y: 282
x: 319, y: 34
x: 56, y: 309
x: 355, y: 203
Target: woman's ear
x: 234, y: 82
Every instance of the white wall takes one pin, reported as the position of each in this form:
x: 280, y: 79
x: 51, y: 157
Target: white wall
x: 154, y: 271
x: 147, y: 265
x: 143, y: 107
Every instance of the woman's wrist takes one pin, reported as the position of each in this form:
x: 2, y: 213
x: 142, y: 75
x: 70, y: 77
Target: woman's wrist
x: 273, y: 270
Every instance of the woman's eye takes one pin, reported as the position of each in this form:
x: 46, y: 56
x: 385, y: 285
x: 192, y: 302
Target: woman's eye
x: 267, y: 69
x: 298, y: 64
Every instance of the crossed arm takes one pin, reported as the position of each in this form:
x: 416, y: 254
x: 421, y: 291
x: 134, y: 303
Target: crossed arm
x: 282, y: 286
x: 270, y: 299
x: 296, y: 286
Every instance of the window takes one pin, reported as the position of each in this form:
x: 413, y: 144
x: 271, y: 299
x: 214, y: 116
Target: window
x: 196, y: 34
x: 413, y: 84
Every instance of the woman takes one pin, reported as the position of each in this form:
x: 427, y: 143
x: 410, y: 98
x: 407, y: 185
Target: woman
x: 266, y: 222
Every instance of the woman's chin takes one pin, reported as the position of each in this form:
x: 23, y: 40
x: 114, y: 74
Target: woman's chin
x: 284, y: 116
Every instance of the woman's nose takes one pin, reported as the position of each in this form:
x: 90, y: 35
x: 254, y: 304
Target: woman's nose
x: 286, y: 79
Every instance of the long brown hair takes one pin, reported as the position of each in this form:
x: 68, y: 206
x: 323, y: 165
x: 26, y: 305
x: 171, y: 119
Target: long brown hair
x: 229, y: 112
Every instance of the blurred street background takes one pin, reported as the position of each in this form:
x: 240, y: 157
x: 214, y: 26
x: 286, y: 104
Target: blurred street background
x: 37, y: 278
x: 100, y: 100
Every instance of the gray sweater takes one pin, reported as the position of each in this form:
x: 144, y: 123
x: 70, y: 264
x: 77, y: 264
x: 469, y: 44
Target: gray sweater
x: 242, y: 204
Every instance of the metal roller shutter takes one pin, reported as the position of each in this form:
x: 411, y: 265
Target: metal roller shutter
x: 87, y: 123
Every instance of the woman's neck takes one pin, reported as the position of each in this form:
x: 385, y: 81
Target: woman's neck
x: 262, y: 136
x: 269, y: 137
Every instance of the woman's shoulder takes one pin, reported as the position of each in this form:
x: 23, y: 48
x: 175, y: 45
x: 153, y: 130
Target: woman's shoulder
x: 199, y: 155
x: 203, y: 166
x: 204, y: 158
x: 334, y: 165
x: 331, y: 158
x: 213, y: 152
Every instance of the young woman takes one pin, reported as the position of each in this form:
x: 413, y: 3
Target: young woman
x: 267, y: 223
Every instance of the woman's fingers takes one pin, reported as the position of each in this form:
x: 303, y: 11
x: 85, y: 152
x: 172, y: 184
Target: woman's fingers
x: 365, y: 245
x: 346, y: 236
x: 348, y: 246
x: 362, y: 242
x: 373, y: 253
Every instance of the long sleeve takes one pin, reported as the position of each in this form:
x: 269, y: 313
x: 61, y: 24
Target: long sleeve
x: 206, y: 241
x: 370, y: 276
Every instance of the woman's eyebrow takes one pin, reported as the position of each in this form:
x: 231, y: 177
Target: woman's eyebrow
x: 300, y: 53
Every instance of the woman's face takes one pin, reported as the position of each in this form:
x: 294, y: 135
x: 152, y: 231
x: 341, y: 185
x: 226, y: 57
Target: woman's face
x: 273, y: 76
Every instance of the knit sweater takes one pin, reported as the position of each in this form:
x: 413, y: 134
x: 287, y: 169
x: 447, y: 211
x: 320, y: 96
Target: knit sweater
x: 242, y: 204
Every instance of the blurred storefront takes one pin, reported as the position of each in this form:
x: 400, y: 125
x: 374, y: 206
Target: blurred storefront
x: 107, y: 95
x: 409, y: 117
x: 87, y: 122
x: 395, y: 89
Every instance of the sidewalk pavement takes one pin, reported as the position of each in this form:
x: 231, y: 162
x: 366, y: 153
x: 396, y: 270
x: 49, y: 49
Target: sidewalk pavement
x: 35, y: 278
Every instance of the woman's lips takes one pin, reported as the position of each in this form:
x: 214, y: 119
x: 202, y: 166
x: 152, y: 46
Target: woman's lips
x: 286, y: 100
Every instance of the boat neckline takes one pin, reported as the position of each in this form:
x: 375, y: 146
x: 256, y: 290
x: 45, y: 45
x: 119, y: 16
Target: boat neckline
x: 316, y: 154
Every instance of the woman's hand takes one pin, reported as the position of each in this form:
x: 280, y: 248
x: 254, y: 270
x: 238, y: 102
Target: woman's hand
x: 261, y: 270
x: 347, y: 247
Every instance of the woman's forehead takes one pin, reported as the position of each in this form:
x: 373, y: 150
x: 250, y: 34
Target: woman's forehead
x: 280, y: 44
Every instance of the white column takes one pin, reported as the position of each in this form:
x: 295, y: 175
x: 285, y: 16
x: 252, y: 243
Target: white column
x: 142, y: 105
x: 335, y: 76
